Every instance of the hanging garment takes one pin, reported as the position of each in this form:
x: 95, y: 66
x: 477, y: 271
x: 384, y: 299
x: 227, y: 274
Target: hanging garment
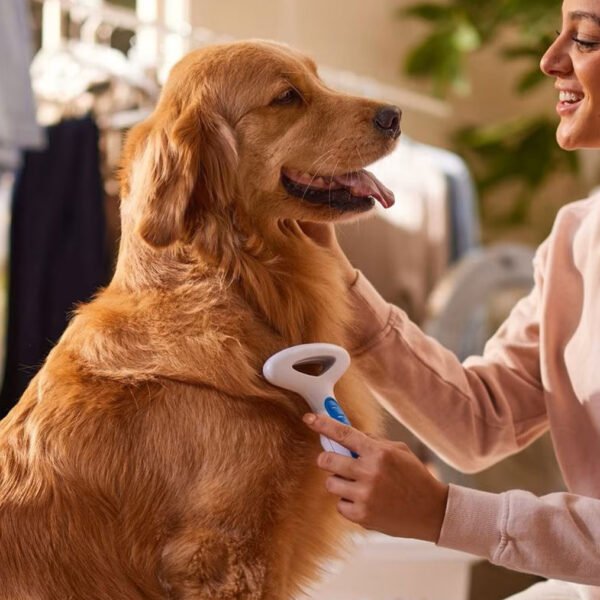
x: 7, y: 182
x: 18, y: 127
x: 463, y: 211
x: 58, y: 254
x: 404, y: 250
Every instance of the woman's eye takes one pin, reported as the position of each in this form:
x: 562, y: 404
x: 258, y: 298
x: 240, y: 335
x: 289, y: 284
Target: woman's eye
x: 584, y: 44
x: 290, y: 95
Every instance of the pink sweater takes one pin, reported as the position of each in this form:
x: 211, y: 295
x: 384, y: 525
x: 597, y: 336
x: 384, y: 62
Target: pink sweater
x: 540, y: 371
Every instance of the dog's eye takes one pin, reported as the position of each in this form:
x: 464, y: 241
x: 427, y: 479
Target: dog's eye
x: 288, y: 97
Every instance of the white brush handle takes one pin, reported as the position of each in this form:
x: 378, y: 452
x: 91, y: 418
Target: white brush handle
x: 316, y: 390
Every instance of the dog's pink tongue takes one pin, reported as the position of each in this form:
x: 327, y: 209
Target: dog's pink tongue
x: 362, y: 184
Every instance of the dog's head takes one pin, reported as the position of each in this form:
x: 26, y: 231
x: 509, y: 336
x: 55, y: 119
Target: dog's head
x: 248, y: 132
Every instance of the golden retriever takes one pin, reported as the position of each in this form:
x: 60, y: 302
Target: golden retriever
x: 149, y: 459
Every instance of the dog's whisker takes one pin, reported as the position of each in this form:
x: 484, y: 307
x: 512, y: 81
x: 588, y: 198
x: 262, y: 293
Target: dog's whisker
x: 332, y: 176
x: 357, y: 150
x: 362, y: 160
x: 314, y: 175
x: 324, y: 156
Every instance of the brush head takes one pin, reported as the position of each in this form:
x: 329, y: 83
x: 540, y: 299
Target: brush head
x: 310, y: 370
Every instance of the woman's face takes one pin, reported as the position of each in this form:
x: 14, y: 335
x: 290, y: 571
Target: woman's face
x: 574, y: 62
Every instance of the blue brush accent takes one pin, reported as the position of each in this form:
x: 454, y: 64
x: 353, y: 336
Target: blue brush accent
x: 334, y: 410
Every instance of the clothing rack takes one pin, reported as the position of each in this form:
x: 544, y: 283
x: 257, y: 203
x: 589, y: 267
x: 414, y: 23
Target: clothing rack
x: 93, y: 17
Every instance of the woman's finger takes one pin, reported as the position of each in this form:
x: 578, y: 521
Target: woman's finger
x: 342, y: 487
x: 345, y: 435
x: 322, y: 233
x: 337, y: 464
x: 353, y: 511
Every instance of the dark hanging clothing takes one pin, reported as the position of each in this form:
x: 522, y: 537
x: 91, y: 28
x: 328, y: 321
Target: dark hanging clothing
x: 58, y: 254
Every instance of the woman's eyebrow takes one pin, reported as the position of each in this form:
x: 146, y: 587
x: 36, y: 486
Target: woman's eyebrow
x: 579, y: 15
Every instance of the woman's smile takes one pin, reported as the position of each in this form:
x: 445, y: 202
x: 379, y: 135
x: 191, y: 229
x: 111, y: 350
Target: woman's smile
x: 573, y: 60
x: 569, y: 102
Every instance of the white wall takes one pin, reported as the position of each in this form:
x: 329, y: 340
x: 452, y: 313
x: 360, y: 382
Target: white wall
x: 365, y: 37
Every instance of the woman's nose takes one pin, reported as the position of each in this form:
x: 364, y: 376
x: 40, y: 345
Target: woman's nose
x: 556, y: 61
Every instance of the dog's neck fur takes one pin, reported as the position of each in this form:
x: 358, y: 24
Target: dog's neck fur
x: 291, y: 282
x: 282, y: 274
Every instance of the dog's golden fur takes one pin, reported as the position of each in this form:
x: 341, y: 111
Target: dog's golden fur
x: 148, y: 459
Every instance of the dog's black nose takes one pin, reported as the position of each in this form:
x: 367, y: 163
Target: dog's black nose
x: 387, y: 120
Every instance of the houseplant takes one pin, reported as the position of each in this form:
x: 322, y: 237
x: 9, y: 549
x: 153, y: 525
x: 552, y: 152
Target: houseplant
x: 521, y: 150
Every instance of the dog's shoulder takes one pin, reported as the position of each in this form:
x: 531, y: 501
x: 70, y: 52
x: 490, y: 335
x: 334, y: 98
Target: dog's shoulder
x: 203, y: 336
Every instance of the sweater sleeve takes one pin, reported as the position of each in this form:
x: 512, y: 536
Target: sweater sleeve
x: 472, y: 414
x: 555, y: 536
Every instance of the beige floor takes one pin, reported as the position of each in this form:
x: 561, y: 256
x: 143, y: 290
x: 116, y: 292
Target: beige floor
x: 557, y: 590
x: 384, y: 568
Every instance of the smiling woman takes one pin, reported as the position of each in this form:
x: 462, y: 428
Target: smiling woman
x: 574, y: 61
x: 539, y: 372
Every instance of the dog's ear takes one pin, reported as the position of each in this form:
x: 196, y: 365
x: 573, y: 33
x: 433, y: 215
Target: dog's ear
x: 179, y: 169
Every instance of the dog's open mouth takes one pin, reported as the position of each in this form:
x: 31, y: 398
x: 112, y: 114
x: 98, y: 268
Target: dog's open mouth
x: 356, y: 190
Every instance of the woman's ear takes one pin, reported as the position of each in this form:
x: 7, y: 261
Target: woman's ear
x: 177, y: 171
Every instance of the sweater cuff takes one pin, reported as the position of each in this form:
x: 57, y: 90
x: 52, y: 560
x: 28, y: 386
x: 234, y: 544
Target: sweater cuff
x: 371, y: 314
x: 473, y: 522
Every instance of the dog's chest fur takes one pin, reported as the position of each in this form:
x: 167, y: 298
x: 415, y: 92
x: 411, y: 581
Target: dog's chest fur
x: 155, y: 400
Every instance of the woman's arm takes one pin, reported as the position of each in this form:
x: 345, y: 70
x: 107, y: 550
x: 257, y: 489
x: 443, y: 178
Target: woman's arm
x: 555, y: 536
x: 388, y: 490
x: 472, y: 414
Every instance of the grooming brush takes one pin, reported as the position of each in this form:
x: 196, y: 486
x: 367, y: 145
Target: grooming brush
x: 311, y: 370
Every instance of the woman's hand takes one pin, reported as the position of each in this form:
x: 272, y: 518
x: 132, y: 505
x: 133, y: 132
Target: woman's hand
x: 324, y: 235
x: 387, y: 488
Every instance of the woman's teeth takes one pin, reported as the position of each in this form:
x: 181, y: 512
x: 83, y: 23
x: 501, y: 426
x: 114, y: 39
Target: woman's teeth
x: 570, y: 97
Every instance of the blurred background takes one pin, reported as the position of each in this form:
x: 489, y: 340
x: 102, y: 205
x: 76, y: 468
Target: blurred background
x: 477, y: 175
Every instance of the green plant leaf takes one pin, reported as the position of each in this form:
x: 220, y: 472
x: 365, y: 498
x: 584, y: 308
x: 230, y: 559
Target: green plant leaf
x: 522, y: 150
x: 440, y: 58
x: 530, y: 80
x: 466, y: 38
x: 427, y: 12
